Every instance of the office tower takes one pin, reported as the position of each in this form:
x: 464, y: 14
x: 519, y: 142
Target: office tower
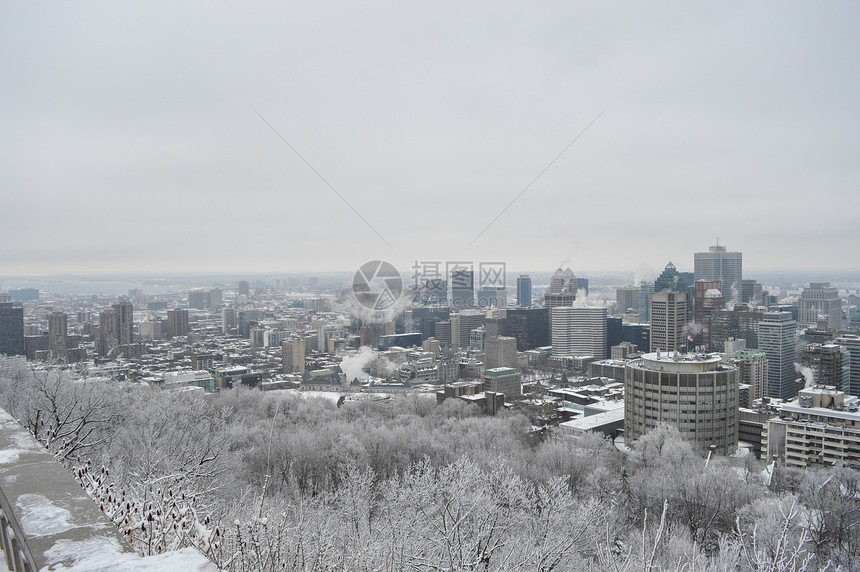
x: 462, y: 288
x: 752, y: 370
x: 434, y: 291
x: 751, y: 292
x: 579, y: 332
x: 529, y: 326
x: 215, y: 297
x: 826, y: 363
x: 125, y: 322
x: 717, y: 264
x: 424, y: 319
x: 477, y: 337
x: 777, y: 338
x: 443, y: 332
x: 116, y: 329
x: 613, y: 331
x: 639, y: 334
x: 668, y: 321
x: 500, y: 351
x: 819, y: 334
x: 462, y: 324
x: 627, y: 299
x: 492, y: 297
x: 820, y: 302
x: 563, y: 282
x: 11, y: 329
x: 244, y: 288
x: 850, y: 344
x: 708, y: 299
x: 369, y: 335
x: 645, y: 291
x: 582, y: 284
x: 58, y: 336
x: 697, y: 394
x: 560, y: 294
x: 496, y: 326
x: 293, y: 355
x: 671, y: 280
x: 177, y: 322
x: 524, y: 291
x: 228, y: 319
x: 197, y: 299
x: 739, y: 323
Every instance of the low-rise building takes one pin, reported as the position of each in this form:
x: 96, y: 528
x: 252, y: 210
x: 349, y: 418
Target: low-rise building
x: 820, y: 427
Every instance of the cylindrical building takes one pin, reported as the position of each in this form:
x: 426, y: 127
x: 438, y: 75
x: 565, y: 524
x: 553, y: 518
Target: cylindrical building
x: 697, y: 393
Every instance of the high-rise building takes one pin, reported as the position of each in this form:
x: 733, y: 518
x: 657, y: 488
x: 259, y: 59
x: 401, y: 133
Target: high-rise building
x: 293, y: 355
x: 825, y: 362
x: 530, y: 327
x: 462, y: 325
x: 698, y: 394
x: 198, y: 298
x: 125, y: 322
x: 752, y: 370
x: 627, y: 299
x: 524, y: 291
x: 177, y: 322
x: 670, y: 280
x: 215, y: 297
x: 751, y: 292
x: 228, y: 319
x: 668, y: 321
x: 462, y: 288
x: 579, y: 332
x: 116, y: 328
x: 740, y: 323
x: 244, y: 288
x: 850, y: 345
x: 717, y: 264
x: 424, y: 319
x: 500, y: 351
x: 645, y: 290
x: 11, y: 329
x: 497, y: 326
x: 563, y: 282
x: 58, y: 336
x: 777, y: 338
x: 820, y: 302
x: 492, y: 297
x: 434, y: 291
x: 708, y: 299
x: 108, y: 339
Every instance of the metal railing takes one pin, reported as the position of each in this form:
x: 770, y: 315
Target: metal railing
x: 18, y: 557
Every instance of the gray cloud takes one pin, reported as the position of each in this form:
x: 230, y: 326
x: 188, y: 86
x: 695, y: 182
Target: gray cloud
x: 130, y: 142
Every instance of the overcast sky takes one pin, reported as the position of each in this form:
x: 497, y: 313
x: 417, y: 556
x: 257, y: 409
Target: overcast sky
x: 131, y: 140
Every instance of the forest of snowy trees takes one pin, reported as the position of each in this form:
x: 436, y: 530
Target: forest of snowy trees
x: 279, y: 481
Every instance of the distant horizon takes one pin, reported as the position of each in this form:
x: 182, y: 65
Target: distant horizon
x: 119, y: 283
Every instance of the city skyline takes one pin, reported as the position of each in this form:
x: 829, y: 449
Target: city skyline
x: 595, y: 137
